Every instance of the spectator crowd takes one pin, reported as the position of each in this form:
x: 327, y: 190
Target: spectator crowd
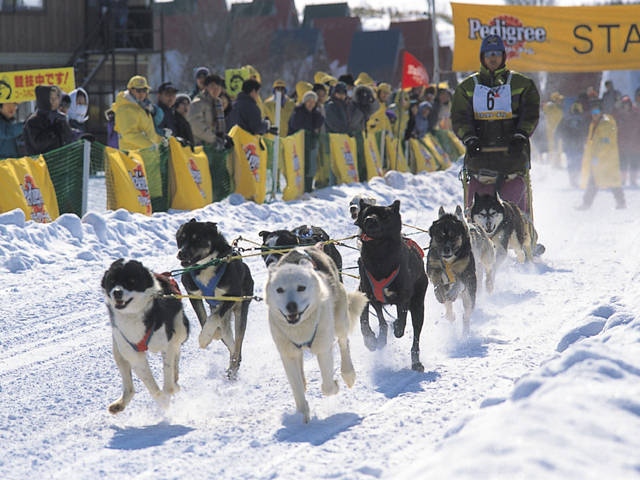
x: 574, y: 128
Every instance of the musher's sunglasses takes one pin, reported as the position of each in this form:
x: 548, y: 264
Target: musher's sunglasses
x: 493, y: 53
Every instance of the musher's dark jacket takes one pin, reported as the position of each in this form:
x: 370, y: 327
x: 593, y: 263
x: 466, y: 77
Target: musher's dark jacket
x: 525, y: 105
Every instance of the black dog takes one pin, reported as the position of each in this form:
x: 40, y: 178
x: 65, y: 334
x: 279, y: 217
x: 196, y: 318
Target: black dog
x: 200, y: 245
x: 302, y: 235
x: 391, y: 272
x: 451, y: 265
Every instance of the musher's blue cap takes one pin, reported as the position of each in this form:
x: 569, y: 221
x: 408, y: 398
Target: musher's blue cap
x: 492, y: 43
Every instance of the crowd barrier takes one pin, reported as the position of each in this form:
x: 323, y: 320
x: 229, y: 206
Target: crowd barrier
x: 174, y: 176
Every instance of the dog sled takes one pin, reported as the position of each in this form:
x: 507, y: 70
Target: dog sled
x: 515, y: 187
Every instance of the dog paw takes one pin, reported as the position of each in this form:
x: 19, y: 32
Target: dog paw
x: 371, y: 342
x: 331, y: 388
x: 206, y: 335
x: 232, y: 373
x: 116, y: 407
x: 398, y: 328
x: 171, y: 389
x: 417, y: 367
x: 163, y: 400
x: 349, y: 378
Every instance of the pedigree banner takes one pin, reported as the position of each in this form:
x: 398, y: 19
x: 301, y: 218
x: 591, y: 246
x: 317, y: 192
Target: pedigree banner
x: 552, y: 39
x: 20, y: 86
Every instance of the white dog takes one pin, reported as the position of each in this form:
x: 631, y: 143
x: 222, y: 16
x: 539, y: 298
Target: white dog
x: 310, y: 308
x: 143, y: 317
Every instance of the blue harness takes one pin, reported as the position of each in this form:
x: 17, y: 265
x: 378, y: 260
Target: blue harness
x: 209, y: 289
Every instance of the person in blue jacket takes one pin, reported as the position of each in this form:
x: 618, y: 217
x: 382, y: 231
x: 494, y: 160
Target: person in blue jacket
x: 10, y: 131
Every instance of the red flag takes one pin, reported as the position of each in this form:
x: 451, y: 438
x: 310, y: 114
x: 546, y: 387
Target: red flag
x: 413, y: 72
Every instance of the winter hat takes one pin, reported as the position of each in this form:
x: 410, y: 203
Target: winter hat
x: 492, y: 43
x: 309, y: 95
x: 201, y: 72
x: 556, y: 97
x: 182, y: 98
x: 425, y: 104
x: 364, y: 79
x: 138, y: 81
x: 279, y: 83
x: 347, y: 78
x: 340, y: 87
x: 384, y: 87
x: 302, y: 87
x: 167, y: 87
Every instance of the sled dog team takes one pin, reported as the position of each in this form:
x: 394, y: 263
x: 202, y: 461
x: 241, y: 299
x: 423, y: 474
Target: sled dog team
x: 309, y: 307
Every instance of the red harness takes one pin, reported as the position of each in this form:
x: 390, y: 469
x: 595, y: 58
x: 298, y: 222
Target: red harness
x: 378, y: 286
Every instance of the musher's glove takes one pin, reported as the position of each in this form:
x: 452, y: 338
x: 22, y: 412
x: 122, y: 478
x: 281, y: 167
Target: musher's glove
x: 472, y: 143
x: 517, y: 143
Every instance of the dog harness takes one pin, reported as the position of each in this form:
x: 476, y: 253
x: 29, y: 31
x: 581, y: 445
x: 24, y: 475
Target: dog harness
x: 309, y: 342
x: 142, y: 345
x: 378, y: 286
x: 209, y: 289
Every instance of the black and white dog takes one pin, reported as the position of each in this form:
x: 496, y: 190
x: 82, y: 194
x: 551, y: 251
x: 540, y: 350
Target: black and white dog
x: 144, y: 317
x: 202, y: 249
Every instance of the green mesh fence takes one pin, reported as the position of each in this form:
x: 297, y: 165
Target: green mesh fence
x: 65, y: 169
x: 156, y: 164
x: 220, y: 178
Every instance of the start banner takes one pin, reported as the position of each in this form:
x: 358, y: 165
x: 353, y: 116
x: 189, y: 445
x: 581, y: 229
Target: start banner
x: 551, y: 39
x: 20, y: 86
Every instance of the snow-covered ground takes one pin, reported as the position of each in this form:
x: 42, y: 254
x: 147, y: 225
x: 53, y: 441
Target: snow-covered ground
x: 547, y: 386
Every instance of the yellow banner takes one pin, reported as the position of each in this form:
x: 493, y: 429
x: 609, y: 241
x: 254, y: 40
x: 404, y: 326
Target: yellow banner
x: 250, y: 165
x: 293, y: 154
x: 25, y: 184
x: 127, y: 185
x: 551, y: 39
x: 344, y: 157
x: 373, y: 161
x: 20, y: 86
x: 189, y: 177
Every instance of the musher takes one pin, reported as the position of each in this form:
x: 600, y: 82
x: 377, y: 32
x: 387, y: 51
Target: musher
x: 494, y: 112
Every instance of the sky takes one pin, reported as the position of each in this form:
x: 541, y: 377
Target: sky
x: 546, y: 385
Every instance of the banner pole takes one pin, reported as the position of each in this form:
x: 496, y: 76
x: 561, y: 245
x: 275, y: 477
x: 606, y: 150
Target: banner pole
x: 86, y: 162
x: 434, y: 42
x: 276, y: 147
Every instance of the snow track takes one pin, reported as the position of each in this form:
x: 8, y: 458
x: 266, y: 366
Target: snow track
x: 57, y: 373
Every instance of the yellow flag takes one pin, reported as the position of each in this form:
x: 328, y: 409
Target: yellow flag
x: 189, y: 177
x: 127, y: 185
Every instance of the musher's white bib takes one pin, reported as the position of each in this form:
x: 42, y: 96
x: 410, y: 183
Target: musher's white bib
x: 492, y: 103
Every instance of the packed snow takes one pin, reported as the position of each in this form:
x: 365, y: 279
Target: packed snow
x: 546, y: 386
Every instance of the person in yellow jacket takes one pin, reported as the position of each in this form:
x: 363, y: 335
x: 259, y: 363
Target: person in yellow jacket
x: 134, y: 116
x: 601, y: 161
x: 287, y: 106
x: 553, y: 113
x: 379, y: 121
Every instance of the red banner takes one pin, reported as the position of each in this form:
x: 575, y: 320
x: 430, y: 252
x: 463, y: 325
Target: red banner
x: 413, y: 72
